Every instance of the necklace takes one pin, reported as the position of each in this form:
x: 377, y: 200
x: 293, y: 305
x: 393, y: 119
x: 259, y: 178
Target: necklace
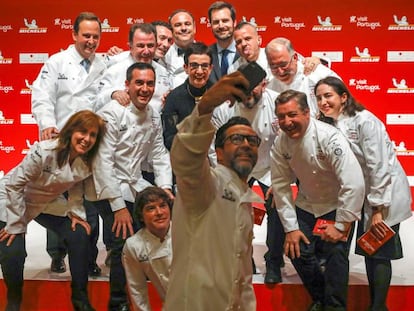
x: 196, y: 98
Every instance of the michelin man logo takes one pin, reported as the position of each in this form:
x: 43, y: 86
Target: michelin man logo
x: 400, y: 87
x: 325, y: 24
x: 364, y: 53
x: 31, y: 25
x: 400, y: 23
x: 364, y: 56
x: 106, y: 27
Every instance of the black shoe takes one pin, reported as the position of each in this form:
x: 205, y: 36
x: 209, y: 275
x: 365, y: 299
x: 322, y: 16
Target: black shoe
x: 58, y: 265
x: 273, y: 276
x: 94, y: 270
x: 316, y: 306
x: 82, y: 305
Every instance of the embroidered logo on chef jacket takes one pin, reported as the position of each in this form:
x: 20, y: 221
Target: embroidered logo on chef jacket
x: 61, y: 76
x: 143, y: 257
x: 287, y: 156
x: 228, y: 195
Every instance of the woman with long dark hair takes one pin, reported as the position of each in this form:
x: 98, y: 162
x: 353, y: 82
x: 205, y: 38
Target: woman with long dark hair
x: 387, y: 192
x: 47, y: 186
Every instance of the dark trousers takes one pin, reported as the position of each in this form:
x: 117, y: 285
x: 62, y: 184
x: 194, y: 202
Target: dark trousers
x: 329, y: 287
x: 55, y: 246
x: 117, y: 279
x: 275, y: 236
x: 12, y: 257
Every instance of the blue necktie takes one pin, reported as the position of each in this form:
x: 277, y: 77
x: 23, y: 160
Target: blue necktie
x: 224, y: 62
x: 86, y: 64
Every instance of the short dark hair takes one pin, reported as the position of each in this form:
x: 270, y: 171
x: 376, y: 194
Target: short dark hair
x: 161, y: 23
x: 139, y: 66
x: 198, y: 48
x: 243, y: 24
x: 149, y: 194
x: 85, y: 16
x: 221, y: 132
x: 145, y: 28
x: 219, y: 5
x: 288, y: 95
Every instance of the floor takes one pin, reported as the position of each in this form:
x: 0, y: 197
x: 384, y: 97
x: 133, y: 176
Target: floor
x: 38, y: 262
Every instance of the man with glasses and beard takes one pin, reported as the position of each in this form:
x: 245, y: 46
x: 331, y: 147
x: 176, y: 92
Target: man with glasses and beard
x: 212, y: 219
x: 259, y: 109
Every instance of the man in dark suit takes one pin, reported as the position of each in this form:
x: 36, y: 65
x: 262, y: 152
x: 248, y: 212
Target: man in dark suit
x: 222, y: 16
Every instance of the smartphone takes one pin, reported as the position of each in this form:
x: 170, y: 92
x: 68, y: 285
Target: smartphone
x: 253, y: 73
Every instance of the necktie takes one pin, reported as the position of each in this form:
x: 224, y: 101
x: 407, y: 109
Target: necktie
x: 224, y: 62
x: 86, y: 64
x: 180, y: 51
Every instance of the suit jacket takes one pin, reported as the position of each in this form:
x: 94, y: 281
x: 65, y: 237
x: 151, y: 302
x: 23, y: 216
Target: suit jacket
x: 216, y: 72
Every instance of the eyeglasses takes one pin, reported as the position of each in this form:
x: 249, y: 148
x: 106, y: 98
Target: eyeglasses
x: 195, y: 66
x: 238, y: 139
x: 283, y: 65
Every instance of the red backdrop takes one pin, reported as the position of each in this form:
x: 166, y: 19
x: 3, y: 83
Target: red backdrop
x: 355, y: 23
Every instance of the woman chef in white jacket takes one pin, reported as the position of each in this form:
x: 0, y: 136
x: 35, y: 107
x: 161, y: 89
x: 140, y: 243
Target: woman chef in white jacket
x: 388, y: 196
x: 48, y: 186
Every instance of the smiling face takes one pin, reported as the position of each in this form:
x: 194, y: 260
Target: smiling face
x: 282, y: 63
x: 292, y: 119
x: 330, y: 103
x: 183, y: 29
x: 240, y: 158
x: 141, y: 87
x: 87, y: 38
x: 164, y: 41
x: 156, y: 217
x: 247, y: 42
x: 82, y: 141
x: 222, y: 25
x: 143, y: 46
x: 198, y: 69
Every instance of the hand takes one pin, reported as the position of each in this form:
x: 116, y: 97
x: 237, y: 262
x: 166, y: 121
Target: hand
x: 76, y: 220
x: 310, y: 64
x: 164, y: 97
x: 114, y: 50
x: 268, y: 193
x: 121, y: 97
x: 331, y: 234
x: 49, y: 133
x: 229, y: 87
x: 377, y: 225
x: 292, y: 241
x: 6, y: 236
x: 169, y: 193
x: 122, y: 221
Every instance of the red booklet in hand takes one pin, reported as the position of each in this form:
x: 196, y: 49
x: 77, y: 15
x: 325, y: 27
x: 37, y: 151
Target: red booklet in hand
x: 370, y: 243
x: 317, y: 230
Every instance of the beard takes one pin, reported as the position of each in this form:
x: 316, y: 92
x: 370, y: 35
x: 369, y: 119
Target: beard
x: 223, y: 37
x: 243, y: 169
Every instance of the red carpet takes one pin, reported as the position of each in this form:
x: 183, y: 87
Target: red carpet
x: 55, y: 296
